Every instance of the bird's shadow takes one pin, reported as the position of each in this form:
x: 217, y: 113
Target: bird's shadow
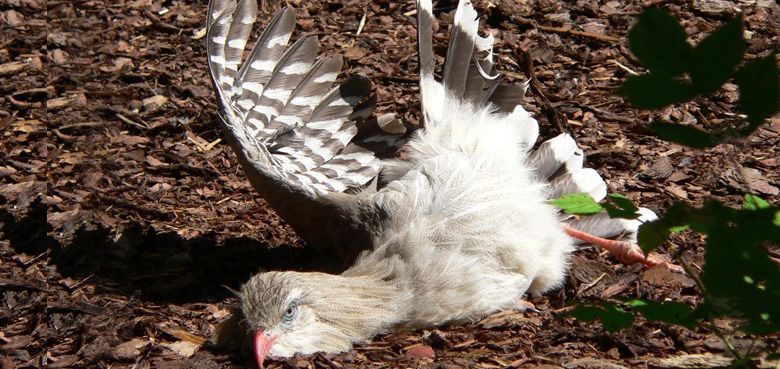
x: 153, y: 266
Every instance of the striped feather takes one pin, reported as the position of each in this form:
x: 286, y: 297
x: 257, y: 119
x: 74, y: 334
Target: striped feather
x: 383, y: 135
x: 289, y: 71
x: 262, y: 60
x: 236, y: 38
x: 217, y: 7
x: 328, y: 131
x: 308, y: 94
x: 340, y: 101
x: 280, y: 105
x: 216, y: 36
x: 353, y: 167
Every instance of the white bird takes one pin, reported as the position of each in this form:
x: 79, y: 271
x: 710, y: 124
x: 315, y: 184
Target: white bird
x: 459, y: 228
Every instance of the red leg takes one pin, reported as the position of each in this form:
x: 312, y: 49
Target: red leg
x: 625, y: 252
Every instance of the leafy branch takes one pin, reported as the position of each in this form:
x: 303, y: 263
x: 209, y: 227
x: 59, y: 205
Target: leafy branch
x: 679, y: 72
x: 739, y: 279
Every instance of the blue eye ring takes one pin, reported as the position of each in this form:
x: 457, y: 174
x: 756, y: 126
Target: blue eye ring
x: 291, y: 312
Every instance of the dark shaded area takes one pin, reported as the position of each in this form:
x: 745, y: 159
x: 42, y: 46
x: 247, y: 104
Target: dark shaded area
x: 165, y: 268
x: 27, y: 230
x: 153, y: 266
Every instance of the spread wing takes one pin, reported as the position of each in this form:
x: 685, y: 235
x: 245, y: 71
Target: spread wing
x: 300, y: 137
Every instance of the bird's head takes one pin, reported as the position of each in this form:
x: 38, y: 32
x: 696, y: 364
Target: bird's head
x: 291, y: 312
x: 279, y: 308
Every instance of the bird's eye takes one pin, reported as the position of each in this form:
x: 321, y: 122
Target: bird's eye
x: 291, y: 312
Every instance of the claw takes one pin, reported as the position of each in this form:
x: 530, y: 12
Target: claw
x: 527, y: 307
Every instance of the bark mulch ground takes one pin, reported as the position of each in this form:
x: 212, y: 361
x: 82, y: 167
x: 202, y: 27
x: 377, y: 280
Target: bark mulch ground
x: 123, y: 212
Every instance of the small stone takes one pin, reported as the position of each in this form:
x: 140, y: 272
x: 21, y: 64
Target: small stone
x: 420, y: 352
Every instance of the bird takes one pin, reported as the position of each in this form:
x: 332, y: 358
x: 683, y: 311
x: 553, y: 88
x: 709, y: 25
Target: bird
x: 448, y: 222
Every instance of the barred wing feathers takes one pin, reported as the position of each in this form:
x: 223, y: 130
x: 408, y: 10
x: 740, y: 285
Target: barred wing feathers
x: 292, y: 129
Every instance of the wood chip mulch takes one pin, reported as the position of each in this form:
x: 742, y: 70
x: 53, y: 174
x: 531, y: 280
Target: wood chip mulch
x: 124, y: 214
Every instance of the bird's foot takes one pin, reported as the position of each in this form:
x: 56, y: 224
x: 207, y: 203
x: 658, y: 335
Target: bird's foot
x: 625, y: 252
x: 524, y: 306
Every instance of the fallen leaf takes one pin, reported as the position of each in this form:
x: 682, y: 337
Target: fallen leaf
x: 131, y: 349
x: 182, y: 348
x: 156, y: 101
x: 129, y: 140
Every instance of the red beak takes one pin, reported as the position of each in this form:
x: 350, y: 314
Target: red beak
x: 263, y: 343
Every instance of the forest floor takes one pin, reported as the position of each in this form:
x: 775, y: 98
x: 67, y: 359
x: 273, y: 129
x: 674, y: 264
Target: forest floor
x: 124, y: 213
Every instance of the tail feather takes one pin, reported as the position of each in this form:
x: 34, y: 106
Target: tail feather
x: 552, y: 154
x: 602, y: 225
x: 425, y: 37
x: 478, y: 88
x: 506, y: 97
x: 460, y: 49
x: 469, y: 72
x: 560, y: 162
x: 431, y: 92
x: 470, y: 79
x: 585, y: 180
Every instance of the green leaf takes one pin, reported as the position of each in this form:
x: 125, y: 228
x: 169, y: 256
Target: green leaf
x: 753, y: 202
x: 684, y: 135
x: 743, y: 363
x: 613, y: 317
x: 654, y: 91
x: 715, y: 57
x: 758, y: 90
x: 679, y: 229
x: 578, y: 204
x: 658, y: 41
x: 621, y: 206
x: 739, y: 277
x: 655, y: 233
x: 667, y: 312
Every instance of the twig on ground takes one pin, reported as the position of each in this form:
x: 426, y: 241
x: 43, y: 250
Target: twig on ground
x: 569, y: 31
x: 606, y: 114
x: 552, y: 114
